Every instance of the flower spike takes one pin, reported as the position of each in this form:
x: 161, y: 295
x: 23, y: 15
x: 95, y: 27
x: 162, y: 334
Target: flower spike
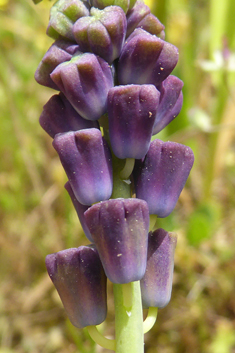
x: 80, y: 280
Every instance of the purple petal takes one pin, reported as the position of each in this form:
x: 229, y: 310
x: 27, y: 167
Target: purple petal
x: 146, y: 59
x: 171, y: 101
x: 131, y: 111
x: 86, y: 159
x: 59, y: 52
x: 59, y: 116
x: 85, y: 81
x: 119, y: 228
x: 140, y: 17
x: 160, y: 177
x: 102, y: 33
x: 156, y: 285
x: 80, y: 280
x: 80, y: 209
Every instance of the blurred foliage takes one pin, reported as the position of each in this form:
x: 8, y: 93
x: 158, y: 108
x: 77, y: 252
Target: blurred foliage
x: 37, y: 217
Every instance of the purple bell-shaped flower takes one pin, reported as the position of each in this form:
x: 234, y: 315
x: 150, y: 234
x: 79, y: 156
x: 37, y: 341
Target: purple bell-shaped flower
x: 86, y: 159
x: 156, y: 285
x: 59, y: 52
x: 80, y: 280
x: 85, y: 81
x: 146, y: 59
x: 59, y: 116
x: 160, y: 177
x: 102, y: 33
x: 119, y: 228
x: 171, y: 101
x: 63, y: 14
x: 140, y: 16
x: 80, y: 209
x: 131, y: 111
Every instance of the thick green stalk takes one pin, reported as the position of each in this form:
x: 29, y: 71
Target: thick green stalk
x: 129, y: 336
x: 128, y: 320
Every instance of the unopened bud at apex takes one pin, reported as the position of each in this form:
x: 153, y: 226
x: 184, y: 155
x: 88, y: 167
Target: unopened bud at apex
x: 124, y: 4
x: 102, y: 33
x: 63, y: 14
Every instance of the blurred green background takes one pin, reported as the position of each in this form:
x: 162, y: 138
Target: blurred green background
x: 37, y: 217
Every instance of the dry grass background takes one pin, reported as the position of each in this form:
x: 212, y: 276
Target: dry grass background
x: 37, y: 217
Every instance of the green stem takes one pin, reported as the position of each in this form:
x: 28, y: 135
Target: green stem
x: 100, y: 339
x: 150, y: 319
x: 128, y: 320
x: 127, y: 170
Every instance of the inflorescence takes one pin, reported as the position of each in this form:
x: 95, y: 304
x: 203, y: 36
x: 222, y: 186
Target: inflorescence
x: 112, y: 68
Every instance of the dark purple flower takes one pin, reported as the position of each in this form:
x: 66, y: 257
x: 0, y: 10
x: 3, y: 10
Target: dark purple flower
x: 171, y: 101
x: 124, y: 4
x: 63, y: 14
x: 85, y: 81
x: 140, y: 17
x: 102, y: 33
x: 59, y: 116
x: 156, y: 285
x: 80, y: 280
x: 86, y: 159
x: 146, y: 59
x: 80, y: 209
x: 160, y: 177
x: 131, y: 111
x: 59, y: 52
x: 119, y: 228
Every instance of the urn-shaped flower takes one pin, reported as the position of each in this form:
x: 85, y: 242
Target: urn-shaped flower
x: 131, y: 111
x: 85, y: 81
x: 80, y: 280
x: 156, y: 285
x: 86, y: 159
x: 161, y: 176
x: 119, y: 228
x: 59, y: 116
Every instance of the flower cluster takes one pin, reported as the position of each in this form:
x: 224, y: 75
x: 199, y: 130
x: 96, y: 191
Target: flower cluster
x: 112, y: 68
